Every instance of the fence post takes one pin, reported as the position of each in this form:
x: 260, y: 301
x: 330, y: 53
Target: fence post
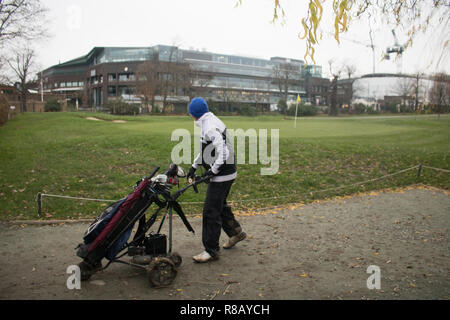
x: 419, y: 170
x: 39, y: 200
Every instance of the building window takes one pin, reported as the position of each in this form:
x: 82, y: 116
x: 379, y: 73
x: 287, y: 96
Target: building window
x: 112, y: 91
x: 222, y: 59
x: 112, y: 77
x: 123, y: 77
x: 125, y: 90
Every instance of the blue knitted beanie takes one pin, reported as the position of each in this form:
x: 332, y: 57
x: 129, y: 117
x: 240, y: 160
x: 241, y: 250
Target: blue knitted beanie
x: 198, y: 107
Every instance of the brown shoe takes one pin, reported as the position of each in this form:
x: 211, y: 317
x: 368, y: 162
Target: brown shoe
x: 234, y: 239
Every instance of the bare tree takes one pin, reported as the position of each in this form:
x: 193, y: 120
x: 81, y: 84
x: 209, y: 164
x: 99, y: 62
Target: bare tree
x: 349, y: 69
x: 22, y: 64
x: 440, y: 92
x: 197, y: 82
x: 168, y: 70
x: 148, y: 82
x: 284, y: 75
x: 335, y: 73
x: 188, y: 81
x: 417, y: 90
x: 165, y: 78
x: 21, y: 20
x: 404, y: 87
x: 3, y: 76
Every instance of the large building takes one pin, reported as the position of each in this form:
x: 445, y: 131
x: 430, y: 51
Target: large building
x: 383, y: 89
x: 108, y: 73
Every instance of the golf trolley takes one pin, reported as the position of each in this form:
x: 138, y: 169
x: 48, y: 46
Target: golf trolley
x: 107, y: 237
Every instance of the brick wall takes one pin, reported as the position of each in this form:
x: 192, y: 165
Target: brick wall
x: 7, y: 113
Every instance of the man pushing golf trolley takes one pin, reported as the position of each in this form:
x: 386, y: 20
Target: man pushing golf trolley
x: 107, y: 237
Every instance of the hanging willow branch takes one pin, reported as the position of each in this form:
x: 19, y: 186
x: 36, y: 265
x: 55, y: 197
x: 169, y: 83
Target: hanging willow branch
x: 312, y: 21
x: 310, y: 25
x: 413, y: 15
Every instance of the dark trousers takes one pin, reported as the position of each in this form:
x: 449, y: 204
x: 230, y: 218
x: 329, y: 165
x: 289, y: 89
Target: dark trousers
x: 217, y: 214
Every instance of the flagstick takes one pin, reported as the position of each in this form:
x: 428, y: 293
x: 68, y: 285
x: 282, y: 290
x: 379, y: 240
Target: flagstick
x: 296, y: 107
x: 295, y: 121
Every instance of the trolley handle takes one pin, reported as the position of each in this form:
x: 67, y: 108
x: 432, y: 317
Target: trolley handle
x: 153, y: 173
x: 193, y: 184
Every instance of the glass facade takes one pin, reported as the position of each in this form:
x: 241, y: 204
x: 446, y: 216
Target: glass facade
x: 237, y: 69
x: 242, y: 83
x: 109, y: 55
x: 245, y: 78
x: 312, y: 70
x: 254, y: 62
x: 167, y: 53
x: 222, y: 77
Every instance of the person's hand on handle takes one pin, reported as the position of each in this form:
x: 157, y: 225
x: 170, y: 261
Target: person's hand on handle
x: 191, y: 175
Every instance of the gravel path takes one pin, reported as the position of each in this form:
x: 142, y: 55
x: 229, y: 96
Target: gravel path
x: 315, y: 251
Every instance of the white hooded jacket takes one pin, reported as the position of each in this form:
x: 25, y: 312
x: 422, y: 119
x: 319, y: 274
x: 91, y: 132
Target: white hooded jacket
x: 214, y: 137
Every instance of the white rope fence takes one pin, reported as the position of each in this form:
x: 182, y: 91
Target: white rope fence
x: 438, y: 169
x: 75, y: 198
x: 419, y: 167
x: 336, y: 188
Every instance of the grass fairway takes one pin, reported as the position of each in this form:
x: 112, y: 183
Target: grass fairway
x: 66, y: 154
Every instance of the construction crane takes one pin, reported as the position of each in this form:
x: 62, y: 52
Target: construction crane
x: 396, y: 48
x: 371, y: 45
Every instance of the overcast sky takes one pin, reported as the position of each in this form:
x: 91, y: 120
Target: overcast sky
x: 76, y: 26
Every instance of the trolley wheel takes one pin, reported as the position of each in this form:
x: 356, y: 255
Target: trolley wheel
x: 86, y: 271
x: 161, y: 272
x: 176, y: 258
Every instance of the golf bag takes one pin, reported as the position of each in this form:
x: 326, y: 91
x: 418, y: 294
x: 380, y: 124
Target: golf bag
x: 108, y: 235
